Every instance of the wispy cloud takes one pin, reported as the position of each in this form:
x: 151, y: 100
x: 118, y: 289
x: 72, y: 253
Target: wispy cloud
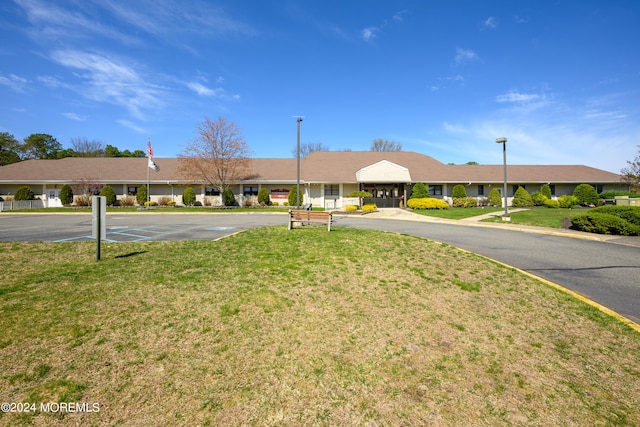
x: 105, y: 79
x: 17, y: 83
x: 370, y: 33
x: 465, y: 55
x: 74, y: 117
x: 161, y: 17
x: 51, y: 22
x: 555, y: 134
x: 490, y: 23
x: 202, y: 90
x: 133, y: 126
x: 520, y: 98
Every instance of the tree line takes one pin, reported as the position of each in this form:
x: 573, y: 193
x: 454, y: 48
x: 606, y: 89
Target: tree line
x: 45, y: 146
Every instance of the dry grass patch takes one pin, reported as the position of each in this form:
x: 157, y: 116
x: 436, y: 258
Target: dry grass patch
x: 270, y: 327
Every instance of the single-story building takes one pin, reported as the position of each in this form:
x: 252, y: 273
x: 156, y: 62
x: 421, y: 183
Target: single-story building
x: 325, y: 177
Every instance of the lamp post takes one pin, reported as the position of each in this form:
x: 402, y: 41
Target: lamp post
x: 503, y: 141
x: 298, y: 119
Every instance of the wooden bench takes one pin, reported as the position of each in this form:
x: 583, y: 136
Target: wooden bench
x: 310, y: 217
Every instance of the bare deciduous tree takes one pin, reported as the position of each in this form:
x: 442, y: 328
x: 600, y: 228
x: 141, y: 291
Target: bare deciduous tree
x: 385, y: 145
x: 308, y: 148
x: 631, y: 174
x: 218, y: 155
x: 85, y: 188
x: 85, y: 147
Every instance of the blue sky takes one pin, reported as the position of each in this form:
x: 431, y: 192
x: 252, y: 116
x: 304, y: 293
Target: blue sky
x: 559, y: 79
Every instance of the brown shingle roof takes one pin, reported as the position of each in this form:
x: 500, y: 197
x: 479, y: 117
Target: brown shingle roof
x: 329, y: 167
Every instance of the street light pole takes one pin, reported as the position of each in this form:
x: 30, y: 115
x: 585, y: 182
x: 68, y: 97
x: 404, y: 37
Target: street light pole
x: 503, y: 140
x: 298, y: 119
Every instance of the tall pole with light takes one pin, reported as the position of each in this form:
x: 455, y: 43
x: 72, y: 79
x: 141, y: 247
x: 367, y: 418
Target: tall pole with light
x: 503, y: 141
x: 298, y: 120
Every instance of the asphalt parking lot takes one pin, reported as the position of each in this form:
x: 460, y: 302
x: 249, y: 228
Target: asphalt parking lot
x: 129, y: 228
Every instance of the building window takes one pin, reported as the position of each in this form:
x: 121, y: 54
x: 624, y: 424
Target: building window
x: 211, y: 191
x: 435, y: 190
x: 553, y: 189
x: 250, y: 190
x: 480, y: 190
x: 132, y: 191
x: 599, y: 188
x: 331, y: 190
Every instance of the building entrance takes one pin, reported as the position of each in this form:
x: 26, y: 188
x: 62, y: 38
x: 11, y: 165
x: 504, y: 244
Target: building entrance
x: 384, y: 195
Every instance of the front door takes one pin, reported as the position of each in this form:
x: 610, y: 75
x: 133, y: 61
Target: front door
x: 53, y: 201
x: 385, y: 195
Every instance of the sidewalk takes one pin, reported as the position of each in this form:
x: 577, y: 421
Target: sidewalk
x: 476, y: 221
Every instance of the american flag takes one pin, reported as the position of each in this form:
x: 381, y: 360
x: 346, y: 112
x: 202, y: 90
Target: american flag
x: 149, y: 149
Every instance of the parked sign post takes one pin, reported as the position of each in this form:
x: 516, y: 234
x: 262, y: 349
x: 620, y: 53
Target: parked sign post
x: 98, y: 221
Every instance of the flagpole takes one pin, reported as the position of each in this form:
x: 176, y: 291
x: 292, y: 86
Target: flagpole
x: 148, y: 195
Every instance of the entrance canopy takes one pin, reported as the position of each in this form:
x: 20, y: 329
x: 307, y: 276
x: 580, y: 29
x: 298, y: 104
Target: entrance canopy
x: 383, y: 171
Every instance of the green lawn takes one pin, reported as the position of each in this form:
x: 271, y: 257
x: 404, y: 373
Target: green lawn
x: 303, y: 327
x: 457, y: 213
x: 541, y: 217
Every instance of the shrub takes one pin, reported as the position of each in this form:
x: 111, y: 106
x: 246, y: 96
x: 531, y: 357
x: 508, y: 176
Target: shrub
x: 109, y: 194
x: 164, y: 200
x: 628, y: 213
x: 567, y: 202
x: 151, y: 203
x: 427, y: 203
x: 612, y: 194
x: 465, y: 202
x: 459, y: 191
x: 247, y: 202
x: 539, y: 198
x: 263, y: 197
x: 586, y: 195
x: 141, y: 195
x: 522, y: 198
x: 127, y: 201
x: 420, y: 191
x: 83, y: 200
x: 275, y: 203
x: 546, y: 191
x: 292, y: 197
x: 188, y: 196
x: 351, y: 208
x: 483, y: 201
x: 228, y: 198
x: 602, y: 223
x: 66, y: 195
x: 494, y: 197
x: 550, y: 203
x: 171, y: 203
x: 24, y: 193
x: 369, y: 207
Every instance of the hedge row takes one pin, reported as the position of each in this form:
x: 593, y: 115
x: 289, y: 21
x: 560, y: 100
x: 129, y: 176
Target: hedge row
x: 628, y: 213
x: 618, y: 220
x: 427, y: 203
